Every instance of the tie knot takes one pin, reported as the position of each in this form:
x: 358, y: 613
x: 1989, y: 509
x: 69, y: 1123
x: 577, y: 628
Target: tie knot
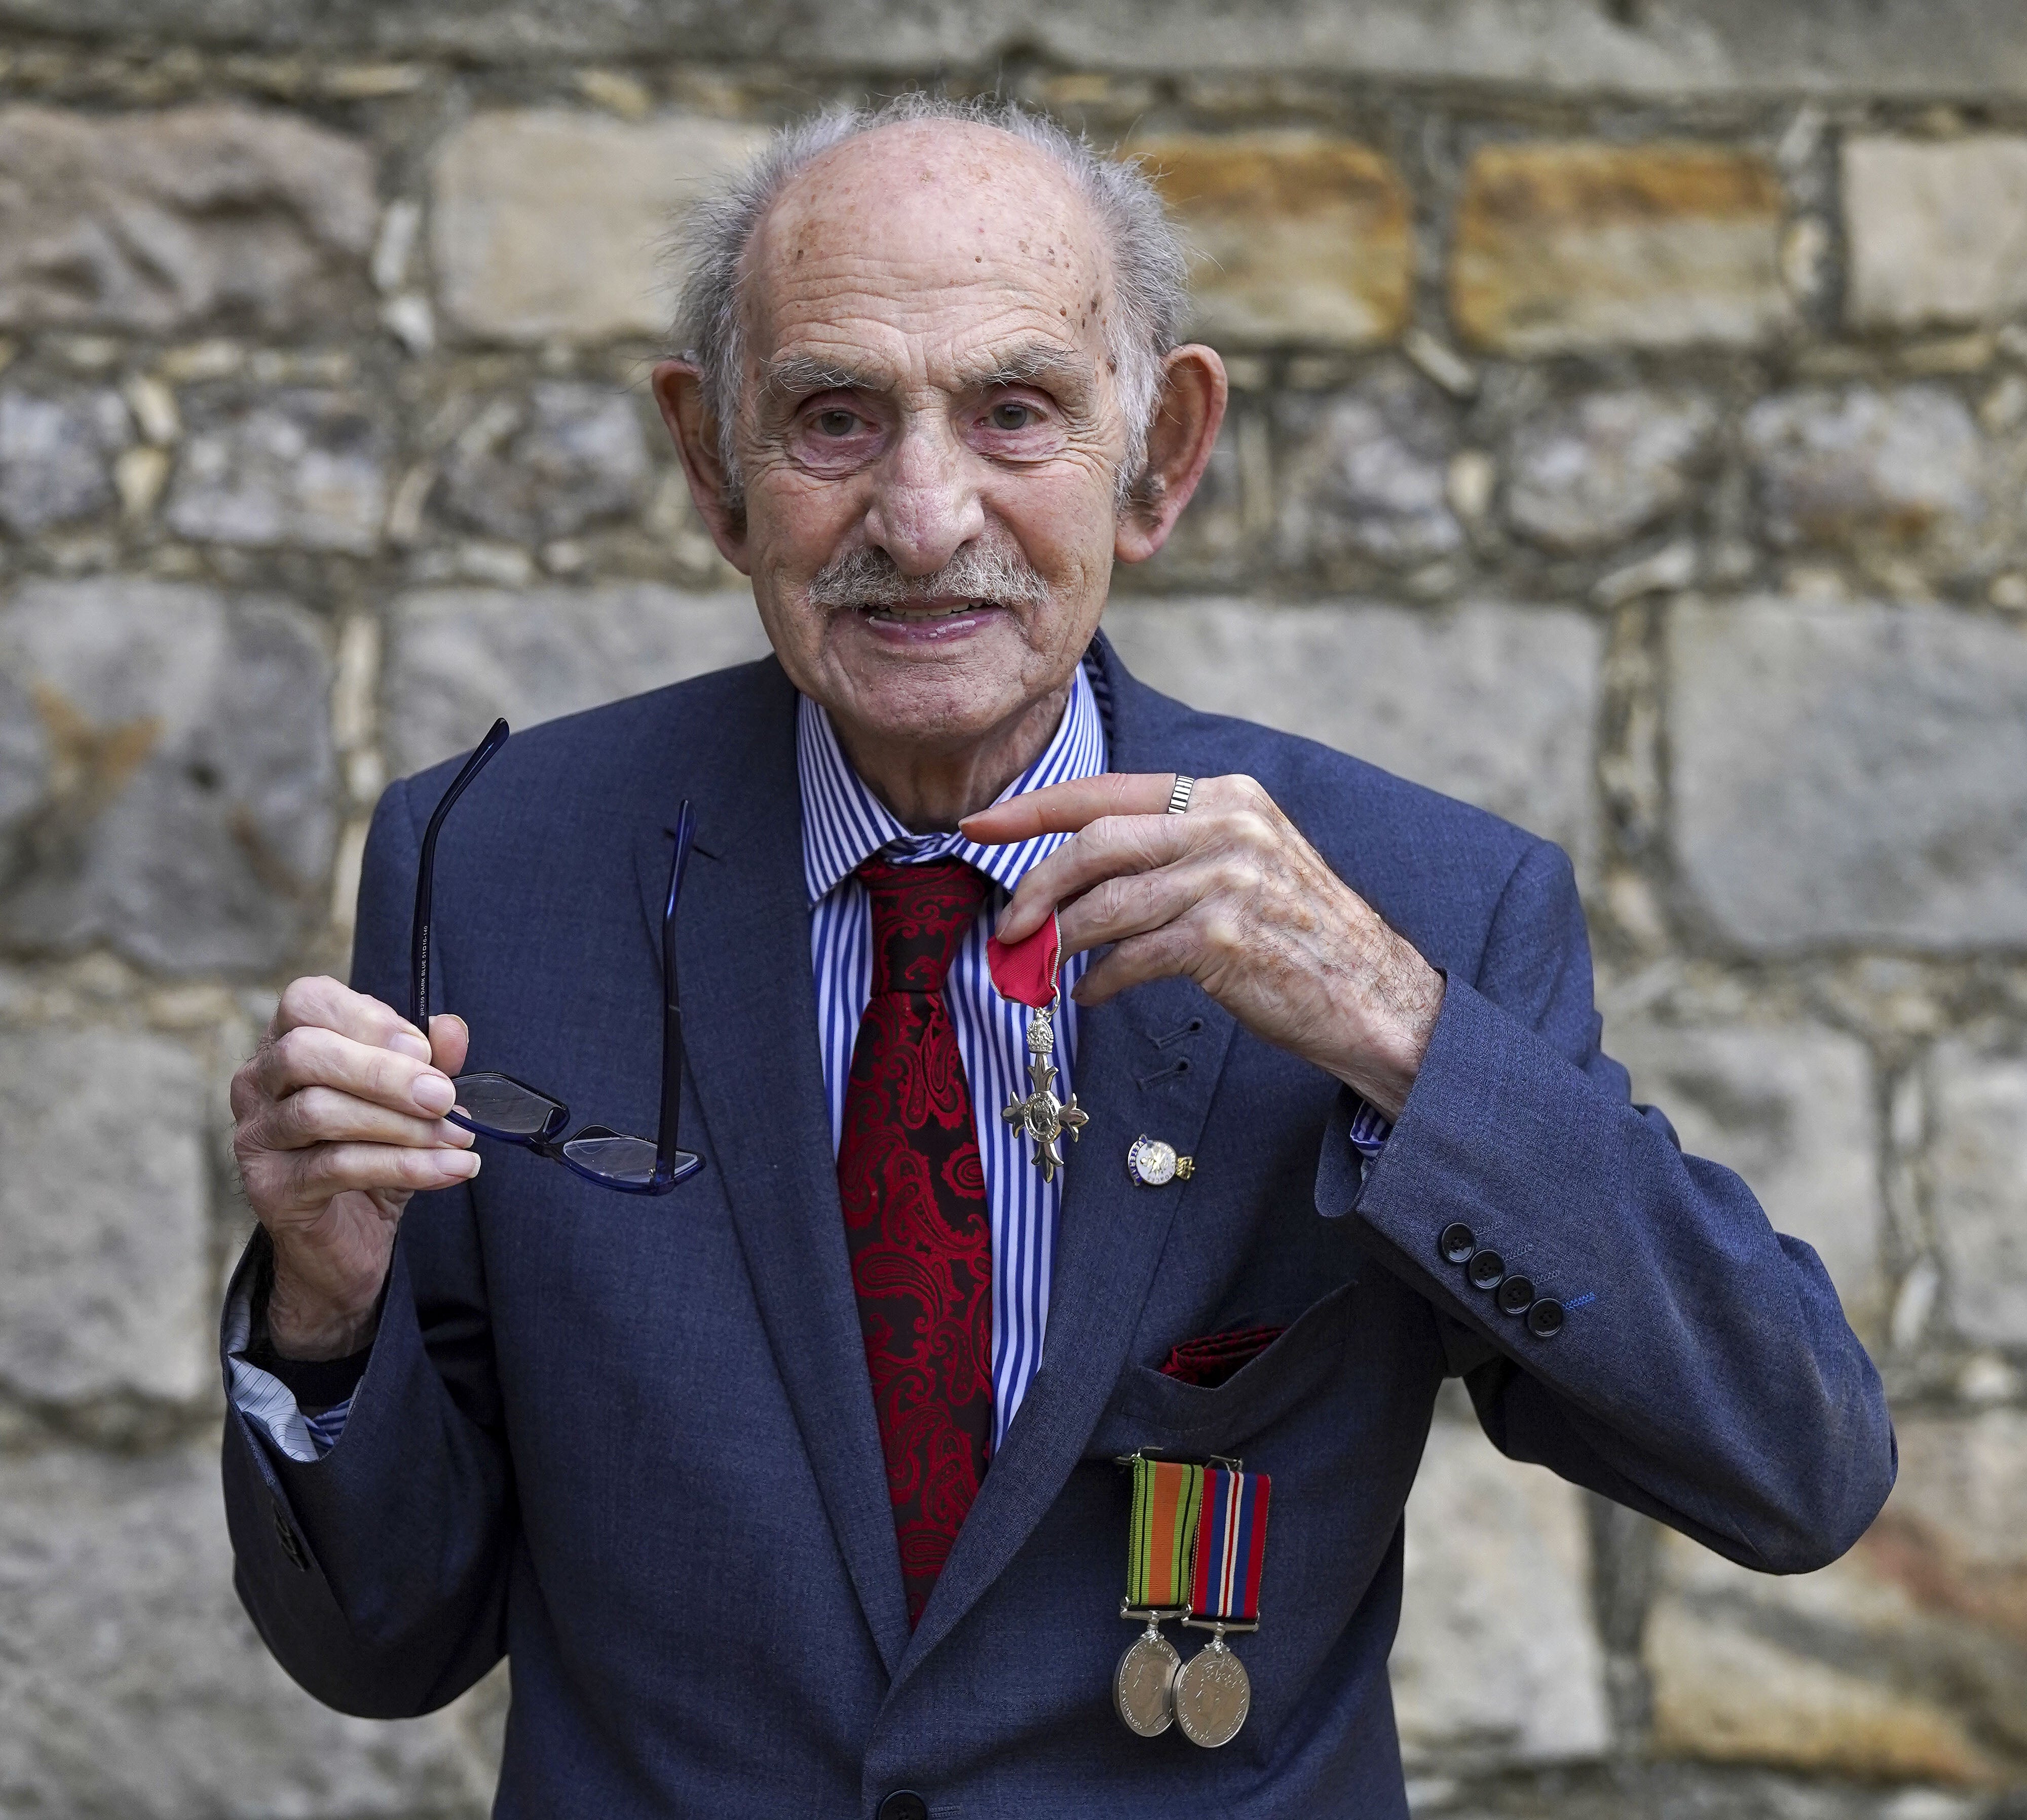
x: 920, y: 914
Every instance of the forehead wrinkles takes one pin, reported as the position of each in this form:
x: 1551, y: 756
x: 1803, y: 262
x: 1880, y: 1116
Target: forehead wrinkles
x: 918, y: 217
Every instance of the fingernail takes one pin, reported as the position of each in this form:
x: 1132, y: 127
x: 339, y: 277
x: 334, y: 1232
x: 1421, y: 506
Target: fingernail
x: 433, y: 1093
x: 410, y: 1044
x: 463, y: 1163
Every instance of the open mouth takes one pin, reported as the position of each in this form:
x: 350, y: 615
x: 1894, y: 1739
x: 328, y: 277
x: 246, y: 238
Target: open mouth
x: 924, y: 625
x: 905, y: 616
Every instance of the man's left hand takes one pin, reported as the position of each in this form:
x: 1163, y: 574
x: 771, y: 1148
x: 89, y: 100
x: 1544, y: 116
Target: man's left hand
x: 1230, y: 895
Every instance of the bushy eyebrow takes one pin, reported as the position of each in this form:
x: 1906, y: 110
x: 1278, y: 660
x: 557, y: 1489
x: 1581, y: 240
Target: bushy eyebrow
x: 795, y: 375
x: 1039, y: 364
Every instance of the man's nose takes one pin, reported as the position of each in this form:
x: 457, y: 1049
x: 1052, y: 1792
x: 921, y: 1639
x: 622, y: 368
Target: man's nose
x: 925, y: 504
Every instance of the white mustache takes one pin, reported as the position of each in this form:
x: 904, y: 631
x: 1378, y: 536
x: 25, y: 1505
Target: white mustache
x: 865, y: 577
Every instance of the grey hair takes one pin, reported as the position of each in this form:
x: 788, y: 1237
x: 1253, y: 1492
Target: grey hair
x: 1149, y: 270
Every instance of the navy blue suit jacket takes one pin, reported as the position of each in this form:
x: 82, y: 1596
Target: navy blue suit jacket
x: 630, y: 1442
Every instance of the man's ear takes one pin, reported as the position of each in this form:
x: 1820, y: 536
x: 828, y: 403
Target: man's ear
x: 679, y: 391
x: 1186, y: 418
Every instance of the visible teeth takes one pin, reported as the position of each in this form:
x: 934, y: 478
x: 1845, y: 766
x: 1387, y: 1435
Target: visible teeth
x: 926, y: 612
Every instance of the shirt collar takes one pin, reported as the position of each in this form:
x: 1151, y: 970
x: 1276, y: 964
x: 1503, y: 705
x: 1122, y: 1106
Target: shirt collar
x: 844, y: 823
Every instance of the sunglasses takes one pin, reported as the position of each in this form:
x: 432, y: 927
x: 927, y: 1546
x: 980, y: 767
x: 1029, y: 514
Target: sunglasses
x: 497, y: 1106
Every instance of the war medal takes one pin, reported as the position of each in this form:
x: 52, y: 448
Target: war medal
x: 1026, y: 973
x: 1162, y: 1538
x: 1212, y: 1693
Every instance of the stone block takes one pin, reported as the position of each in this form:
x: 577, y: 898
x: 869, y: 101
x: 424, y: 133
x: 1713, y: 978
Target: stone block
x: 1977, y: 1186
x: 102, y: 1216
x: 1937, y: 231
x: 56, y: 456
x: 1952, y: 1530
x: 1895, y: 471
x: 574, y: 455
x: 1561, y: 246
x: 1366, y: 473
x: 1849, y: 772
x: 1789, y: 1108
x: 509, y: 189
x: 457, y: 658
x: 1495, y: 704
x: 302, y: 468
x: 1661, y: 49
x: 1848, y: 1672
x: 1606, y: 467
x: 1293, y: 236
x: 1496, y: 1661
x: 216, y: 215
x: 178, y: 778
x: 132, y: 1683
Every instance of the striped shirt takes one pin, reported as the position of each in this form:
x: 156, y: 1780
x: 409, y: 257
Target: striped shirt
x: 843, y: 824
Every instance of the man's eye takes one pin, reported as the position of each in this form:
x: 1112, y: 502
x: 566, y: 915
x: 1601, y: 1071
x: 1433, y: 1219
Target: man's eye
x: 835, y: 422
x: 1012, y: 416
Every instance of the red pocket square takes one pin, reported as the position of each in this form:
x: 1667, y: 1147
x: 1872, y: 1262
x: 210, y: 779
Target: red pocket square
x: 1211, y: 1360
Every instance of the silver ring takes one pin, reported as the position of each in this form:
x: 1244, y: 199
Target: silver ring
x: 1178, y: 797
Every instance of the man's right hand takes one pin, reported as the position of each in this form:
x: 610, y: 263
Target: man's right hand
x: 338, y: 1120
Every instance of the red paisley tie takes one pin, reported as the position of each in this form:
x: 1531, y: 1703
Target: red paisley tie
x: 915, y: 1215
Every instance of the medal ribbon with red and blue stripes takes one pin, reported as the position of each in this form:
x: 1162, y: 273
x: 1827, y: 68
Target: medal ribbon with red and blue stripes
x: 1231, y: 1545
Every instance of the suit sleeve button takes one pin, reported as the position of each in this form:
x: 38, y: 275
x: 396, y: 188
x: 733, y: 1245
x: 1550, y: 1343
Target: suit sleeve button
x: 1457, y: 1242
x: 904, y: 1804
x: 1516, y: 1294
x: 1545, y: 1318
x: 1487, y: 1267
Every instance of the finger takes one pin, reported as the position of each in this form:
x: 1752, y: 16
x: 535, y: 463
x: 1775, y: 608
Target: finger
x: 309, y: 1055
x: 1116, y: 908
x: 1114, y: 844
x: 323, y: 1002
x: 315, y: 1175
x: 450, y: 1041
x: 322, y: 1115
x: 1157, y: 955
x: 1064, y: 808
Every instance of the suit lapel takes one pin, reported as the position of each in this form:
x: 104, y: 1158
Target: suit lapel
x: 1112, y: 1233
x: 750, y: 1023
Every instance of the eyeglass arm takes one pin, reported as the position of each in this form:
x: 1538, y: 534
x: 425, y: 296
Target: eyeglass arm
x: 669, y: 1129
x: 418, y: 931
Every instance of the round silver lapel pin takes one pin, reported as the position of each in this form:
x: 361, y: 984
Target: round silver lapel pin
x: 1152, y: 1164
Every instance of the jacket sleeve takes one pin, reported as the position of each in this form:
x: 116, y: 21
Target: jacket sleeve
x: 1691, y: 1362
x: 377, y: 1575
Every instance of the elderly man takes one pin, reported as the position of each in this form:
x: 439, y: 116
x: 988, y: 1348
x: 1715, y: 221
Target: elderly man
x: 796, y: 1489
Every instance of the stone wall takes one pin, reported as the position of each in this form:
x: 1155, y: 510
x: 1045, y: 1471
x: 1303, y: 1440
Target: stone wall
x: 1629, y: 434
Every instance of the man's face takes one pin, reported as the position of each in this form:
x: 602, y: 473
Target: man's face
x: 932, y: 435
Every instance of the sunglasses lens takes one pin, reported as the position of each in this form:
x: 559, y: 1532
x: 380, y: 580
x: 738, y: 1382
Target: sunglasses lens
x: 627, y: 1162
x: 501, y: 1107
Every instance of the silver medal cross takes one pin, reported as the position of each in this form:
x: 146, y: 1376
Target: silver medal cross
x: 1043, y: 1116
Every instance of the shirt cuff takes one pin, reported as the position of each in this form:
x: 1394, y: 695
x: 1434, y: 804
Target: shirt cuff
x: 272, y: 1406
x: 1369, y: 1131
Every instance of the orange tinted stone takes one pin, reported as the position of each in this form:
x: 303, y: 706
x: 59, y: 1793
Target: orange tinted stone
x: 1294, y: 237
x: 1561, y: 246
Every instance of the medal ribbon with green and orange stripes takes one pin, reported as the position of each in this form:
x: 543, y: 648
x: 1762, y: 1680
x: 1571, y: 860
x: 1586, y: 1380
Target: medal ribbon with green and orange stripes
x: 1160, y: 1545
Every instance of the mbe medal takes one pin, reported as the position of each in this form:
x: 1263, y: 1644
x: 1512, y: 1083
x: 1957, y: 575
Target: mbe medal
x: 1212, y: 1694
x: 1026, y: 973
x: 1159, y: 1543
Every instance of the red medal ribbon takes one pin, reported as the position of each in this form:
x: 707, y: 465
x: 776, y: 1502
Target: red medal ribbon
x: 1025, y: 971
x: 1231, y: 1545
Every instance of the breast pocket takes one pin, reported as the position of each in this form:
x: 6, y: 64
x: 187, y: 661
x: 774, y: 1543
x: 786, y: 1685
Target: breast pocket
x: 1151, y: 1410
